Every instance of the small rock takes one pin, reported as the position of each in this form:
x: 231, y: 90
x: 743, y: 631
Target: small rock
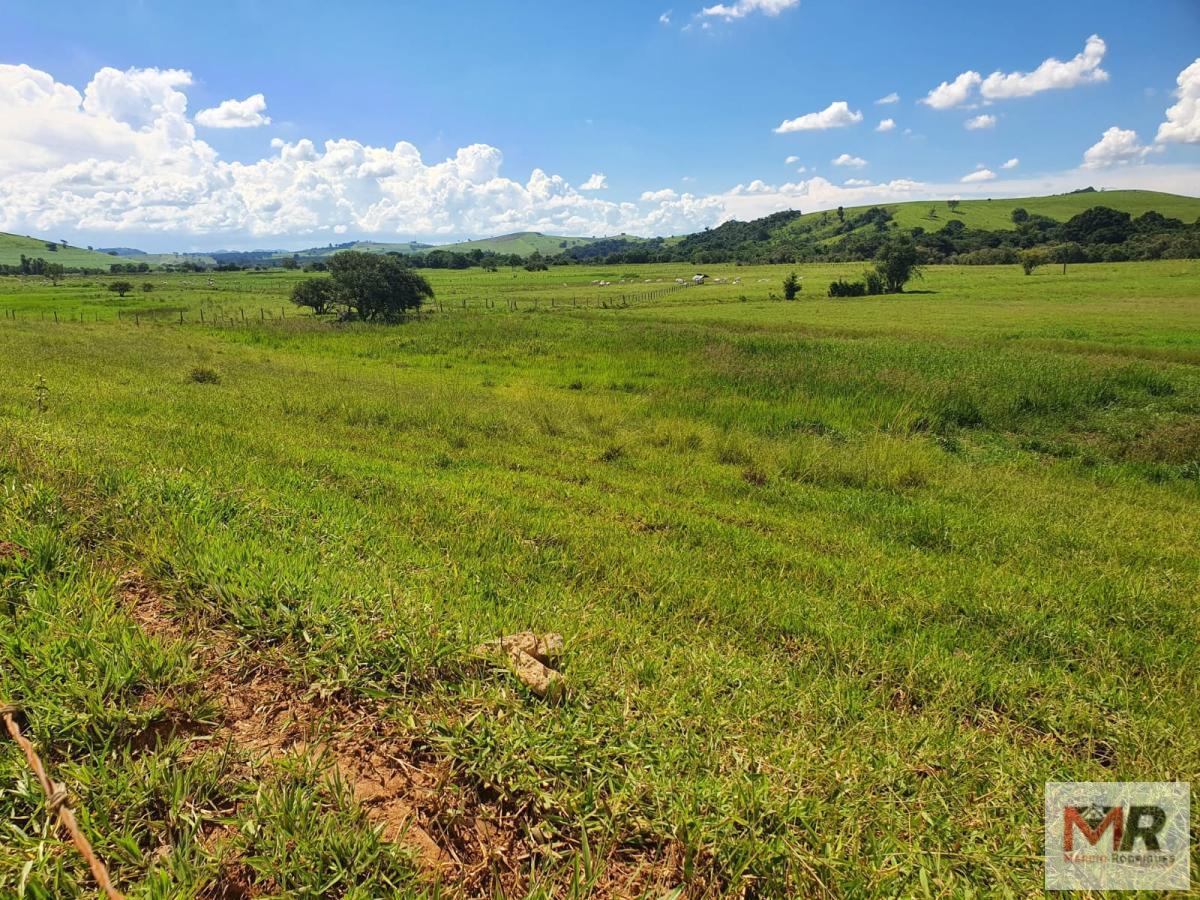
x: 530, y: 656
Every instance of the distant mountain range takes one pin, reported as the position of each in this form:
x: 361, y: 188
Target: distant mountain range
x: 781, y: 230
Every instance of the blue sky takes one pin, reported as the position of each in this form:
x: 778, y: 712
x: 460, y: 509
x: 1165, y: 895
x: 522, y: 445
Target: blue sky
x: 675, y: 107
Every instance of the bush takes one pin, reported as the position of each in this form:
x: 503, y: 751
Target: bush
x: 842, y: 288
x: 791, y: 287
x: 147, y: 287
x: 120, y: 288
x: 873, y: 282
x: 1031, y: 259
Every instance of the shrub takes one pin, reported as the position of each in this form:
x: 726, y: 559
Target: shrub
x: 842, y: 288
x: 873, y: 282
x: 1031, y: 259
x: 147, y: 287
x: 791, y: 287
x: 120, y: 288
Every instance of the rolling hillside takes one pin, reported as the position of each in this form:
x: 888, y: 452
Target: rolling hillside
x: 996, y: 215
x: 13, y: 246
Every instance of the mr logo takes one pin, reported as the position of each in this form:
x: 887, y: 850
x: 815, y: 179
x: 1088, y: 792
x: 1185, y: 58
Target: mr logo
x: 1118, y: 835
x: 1126, y: 825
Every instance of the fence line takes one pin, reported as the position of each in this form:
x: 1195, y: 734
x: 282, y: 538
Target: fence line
x: 220, y: 317
x: 57, y: 802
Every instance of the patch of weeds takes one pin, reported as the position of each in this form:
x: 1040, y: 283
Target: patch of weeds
x: 960, y: 410
x: 203, y: 375
x: 612, y: 453
x: 754, y: 476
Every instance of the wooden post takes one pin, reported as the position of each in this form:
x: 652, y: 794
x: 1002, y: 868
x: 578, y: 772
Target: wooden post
x: 56, y: 317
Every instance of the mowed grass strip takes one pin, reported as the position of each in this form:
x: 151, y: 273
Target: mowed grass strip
x: 842, y: 583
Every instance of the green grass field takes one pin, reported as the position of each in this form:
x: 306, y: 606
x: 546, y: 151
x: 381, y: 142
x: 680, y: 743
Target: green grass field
x: 841, y: 583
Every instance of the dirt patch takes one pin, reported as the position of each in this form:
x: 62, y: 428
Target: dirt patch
x: 9, y: 550
x: 455, y: 834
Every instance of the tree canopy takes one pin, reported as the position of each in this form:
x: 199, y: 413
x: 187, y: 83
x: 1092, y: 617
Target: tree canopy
x: 373, y: 286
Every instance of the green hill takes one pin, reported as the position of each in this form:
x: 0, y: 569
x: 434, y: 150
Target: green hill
x: 13, y: 246
x: 996, y: 215
x: 521, y: 242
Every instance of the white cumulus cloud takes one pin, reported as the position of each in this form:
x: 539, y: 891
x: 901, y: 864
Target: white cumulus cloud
x: 1117, y: 146
x: 598, y: 182
x: 857, y: 182
x: 886, y: 125
x: 978, y: 175
x: 949, y: 94
x: 659, y: 196
x: 836, y: 115
x: 852, y: 162
x: 122, y: 157
x: 791, y: 160
x: 743, y: 8
x: 893, y: 97
x: 978, y: 123
x: 1053, y: 74
x: 1011, y: 164
x: 248, y: 113
x: 665, y: 18
x: 1183, y: 119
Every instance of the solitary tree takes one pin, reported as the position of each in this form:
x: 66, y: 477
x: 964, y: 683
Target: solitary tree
x: 1020, y: 215
x: 1067, y: 253
x: 147, y: 287
x: 315, y: 293
x: 898, y: 263
x: 791, y: 287
x: 841, y: 213
x: 953, y: 204
x: 375, y: 286
x: 120, y: 288
x: 54, y: 271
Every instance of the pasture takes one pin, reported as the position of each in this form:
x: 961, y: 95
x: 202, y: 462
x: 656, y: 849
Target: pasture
x: 841, y: 583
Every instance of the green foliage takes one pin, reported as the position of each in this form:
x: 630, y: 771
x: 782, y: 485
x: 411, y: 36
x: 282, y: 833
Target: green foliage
x: 373, y: 287
x: 316, y: 294
x: 843, y: 288
x: 791, y: 286
x: 1031, y: 259
x: 898, y: 263
x: 120, y: 288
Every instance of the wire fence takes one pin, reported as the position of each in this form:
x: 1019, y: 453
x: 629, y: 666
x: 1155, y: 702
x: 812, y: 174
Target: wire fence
x: 221, y: 315
x: 57, y: 803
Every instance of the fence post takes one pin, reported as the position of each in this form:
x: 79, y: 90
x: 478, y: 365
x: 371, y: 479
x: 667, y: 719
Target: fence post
x: 56, y: 317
